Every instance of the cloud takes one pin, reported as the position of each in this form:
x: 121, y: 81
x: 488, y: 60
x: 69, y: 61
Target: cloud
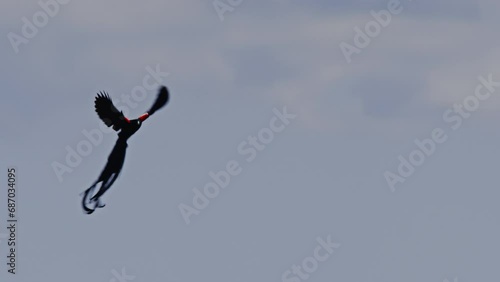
x: 419, y: 60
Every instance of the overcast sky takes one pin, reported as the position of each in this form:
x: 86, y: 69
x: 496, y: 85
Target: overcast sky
x: 329, y: 173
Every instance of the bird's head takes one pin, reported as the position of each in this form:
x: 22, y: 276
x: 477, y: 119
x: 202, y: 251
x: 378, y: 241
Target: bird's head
x: 132, y: 126
x: 136, y: 123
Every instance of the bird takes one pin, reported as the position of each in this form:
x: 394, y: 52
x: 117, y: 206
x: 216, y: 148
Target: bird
x: 125, y: 127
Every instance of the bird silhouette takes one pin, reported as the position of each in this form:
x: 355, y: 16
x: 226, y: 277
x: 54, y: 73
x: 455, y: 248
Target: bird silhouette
x: 110, y: 115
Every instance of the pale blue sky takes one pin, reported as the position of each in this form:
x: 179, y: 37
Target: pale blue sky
x: 323, y: 175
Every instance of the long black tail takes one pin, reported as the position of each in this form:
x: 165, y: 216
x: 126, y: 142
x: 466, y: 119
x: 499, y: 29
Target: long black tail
x: 88, y: 205
x: 91, y: 200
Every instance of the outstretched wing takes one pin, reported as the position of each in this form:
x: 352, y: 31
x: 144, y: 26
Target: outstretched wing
x: 161, y: 100
x: 107, y: 112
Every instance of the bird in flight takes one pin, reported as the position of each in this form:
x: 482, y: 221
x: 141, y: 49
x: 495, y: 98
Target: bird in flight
x: 110, y: 115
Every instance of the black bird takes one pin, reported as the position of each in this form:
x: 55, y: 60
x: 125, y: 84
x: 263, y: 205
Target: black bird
x: 110, y: 115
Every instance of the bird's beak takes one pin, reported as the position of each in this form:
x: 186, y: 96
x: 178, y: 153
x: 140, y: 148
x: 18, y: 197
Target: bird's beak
x: 144, y: 117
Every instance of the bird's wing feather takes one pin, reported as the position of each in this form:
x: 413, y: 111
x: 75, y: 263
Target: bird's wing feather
x: 107, y: 112
x: 161, y: 100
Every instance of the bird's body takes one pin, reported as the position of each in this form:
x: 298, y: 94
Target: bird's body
x: 111, y: 117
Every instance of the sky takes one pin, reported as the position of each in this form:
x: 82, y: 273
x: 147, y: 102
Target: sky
x: 355, y: 140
